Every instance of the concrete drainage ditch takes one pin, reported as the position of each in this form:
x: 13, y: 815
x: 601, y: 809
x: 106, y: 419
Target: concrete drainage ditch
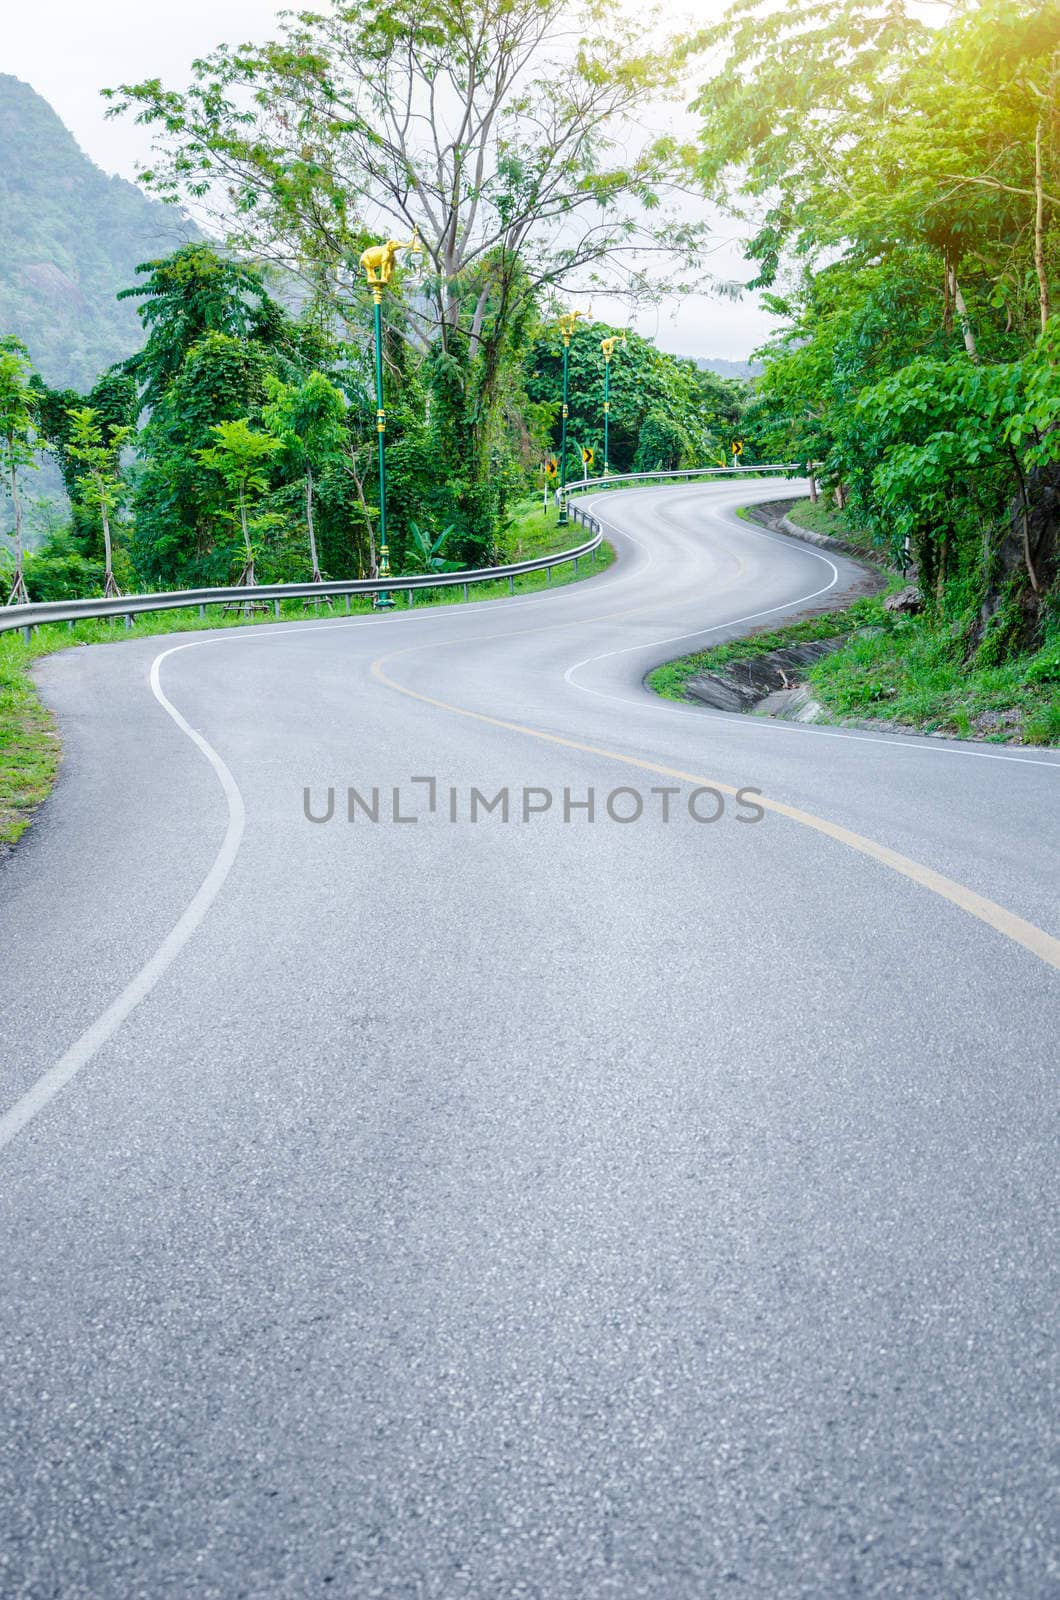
x: 768, y: 685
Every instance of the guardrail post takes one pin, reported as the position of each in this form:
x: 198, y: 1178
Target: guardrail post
x: 575, y: 566
x: 27, y: 634
x: 511, y: 585
x: 548, y: 574
x: 202, y: 613
x: 276, y: 608
x: 465, y: 593
x: 412, y: 597
x: 128, y: 621
x: 347, y: 605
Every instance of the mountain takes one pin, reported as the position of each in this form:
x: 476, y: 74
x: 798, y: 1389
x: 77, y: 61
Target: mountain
x: 730, y: 369
x: 70, y: 238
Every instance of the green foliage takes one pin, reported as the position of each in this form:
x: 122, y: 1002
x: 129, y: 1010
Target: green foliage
x: 29, y: 744
x: 18, y: 440
x: 242, y: 459
x: 914, y: 675
x: 662, y: 445
x: 424, y: 554
x: 905, y: 670
x: 703, y: 410
x: 308, y: 419
x: 17, y: 406
x: 184, y: 297
x: 113, y: 401
x: 670, y: 680
x: 60, y: 570
x: 856, y: 122
x: 221, y: 379
x: 96, y: 449
x: 910, y: 178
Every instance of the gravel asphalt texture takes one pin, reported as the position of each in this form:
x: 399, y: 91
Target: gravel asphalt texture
x: 558, y: 1208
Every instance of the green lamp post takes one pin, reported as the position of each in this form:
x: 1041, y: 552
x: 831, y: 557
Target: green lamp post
x: 608, y: 347
x: 567, y: 323
x: 378, y: 264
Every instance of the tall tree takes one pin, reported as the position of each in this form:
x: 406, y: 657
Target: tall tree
x: 492, y: 127
x: 242, y: 458
x: 309, y: 420
x: 840, y: 123
x: 97, y: 450
x: 17, y: 442
x: 220, y: 380
x: 183, y: 297
x: 905, y: 171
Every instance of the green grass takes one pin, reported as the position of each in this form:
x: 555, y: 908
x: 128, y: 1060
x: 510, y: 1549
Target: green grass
x: 915, y: 674
x: 29, y: 743
x: 826, y: 518
x: 669, y: 680
x: 902, y: 670
x: 533, y: 531
x: 823, y: 518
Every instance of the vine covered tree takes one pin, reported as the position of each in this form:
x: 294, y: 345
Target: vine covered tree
x: 183, y: 297
x: 97, y: 451
x: 242, y: 458
x: 18, y: 445
x: 491, y: 127
x: 309, y: 420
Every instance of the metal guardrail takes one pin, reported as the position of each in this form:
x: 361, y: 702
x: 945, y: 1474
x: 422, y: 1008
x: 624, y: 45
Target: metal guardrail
x: 617, y: 479
x: 38, y: 612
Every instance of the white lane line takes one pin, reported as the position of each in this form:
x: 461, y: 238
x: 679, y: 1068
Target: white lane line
x: 918, y: 743
x: 92, y: 1040
x: 701, y: 633
x: 82, y: 1051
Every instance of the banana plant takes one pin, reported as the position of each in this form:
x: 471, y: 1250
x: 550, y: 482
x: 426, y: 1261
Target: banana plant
x: 423, y: 555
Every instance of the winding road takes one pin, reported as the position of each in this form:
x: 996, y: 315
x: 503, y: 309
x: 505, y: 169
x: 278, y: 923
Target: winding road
x: 658, y: 1202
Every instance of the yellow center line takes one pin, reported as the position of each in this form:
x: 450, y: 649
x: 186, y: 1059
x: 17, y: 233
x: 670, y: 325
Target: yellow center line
x: 1032, y: 938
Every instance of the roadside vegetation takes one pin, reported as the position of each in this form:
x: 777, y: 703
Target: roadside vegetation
x: 915, y: 675
x: 670, y: 680
x: 823, y: 516
x: 904, y: 671
x: 29, y: 743
x: 905, y: 186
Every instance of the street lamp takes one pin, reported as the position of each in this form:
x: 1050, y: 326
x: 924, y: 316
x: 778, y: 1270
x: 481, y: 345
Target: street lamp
x: 608, y: 347
x: 567, y: 324
x: 378, y: 264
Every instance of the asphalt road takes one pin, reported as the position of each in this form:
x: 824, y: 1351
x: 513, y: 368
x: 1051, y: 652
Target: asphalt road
x: 533, y: 1208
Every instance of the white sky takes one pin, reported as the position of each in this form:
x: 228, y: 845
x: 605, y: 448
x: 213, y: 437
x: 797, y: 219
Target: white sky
x: 69, y: 49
